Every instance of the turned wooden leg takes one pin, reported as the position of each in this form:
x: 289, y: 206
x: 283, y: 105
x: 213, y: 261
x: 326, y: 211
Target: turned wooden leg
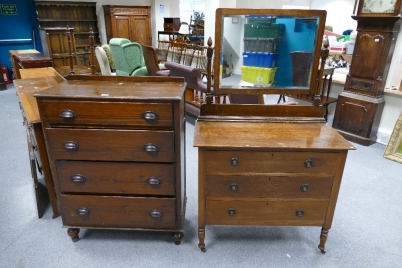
x: 177, y: 236
x: 73, y: 233
x: 201, y: 238
x: 323, y: 240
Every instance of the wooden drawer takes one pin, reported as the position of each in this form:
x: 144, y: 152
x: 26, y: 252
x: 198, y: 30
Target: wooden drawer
x: 115, y: 177
x: 269, y: 162
x: 266, y: 212
x: 116, y: 211
x: 295, y: 186
x: 110, y: 145
x: 108, y: 113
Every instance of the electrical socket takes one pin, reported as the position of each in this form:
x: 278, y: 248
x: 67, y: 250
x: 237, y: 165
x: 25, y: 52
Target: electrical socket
x: 383, y: 138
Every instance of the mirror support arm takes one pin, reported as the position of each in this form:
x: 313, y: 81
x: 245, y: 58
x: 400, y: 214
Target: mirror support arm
x: 209, y: 57
x: 324, y: 56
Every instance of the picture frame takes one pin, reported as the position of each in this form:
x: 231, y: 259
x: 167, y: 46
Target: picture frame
x: 393, y: 150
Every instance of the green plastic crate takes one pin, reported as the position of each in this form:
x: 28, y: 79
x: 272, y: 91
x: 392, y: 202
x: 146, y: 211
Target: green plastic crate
x: 259, y: 30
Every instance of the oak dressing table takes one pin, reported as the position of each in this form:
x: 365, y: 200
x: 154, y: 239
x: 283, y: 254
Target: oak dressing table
x: 268, y: 165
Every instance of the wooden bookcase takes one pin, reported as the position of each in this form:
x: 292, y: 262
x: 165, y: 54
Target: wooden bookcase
x: 53, y: 18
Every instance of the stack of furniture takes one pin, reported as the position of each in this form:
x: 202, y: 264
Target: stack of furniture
x: 130, y: 22
x: 54, y: 16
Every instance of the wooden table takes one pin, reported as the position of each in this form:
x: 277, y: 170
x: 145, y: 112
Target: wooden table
x: 33, y: 81
x: 24, y: 60
x: 173, y: 34
x: 257, y: 170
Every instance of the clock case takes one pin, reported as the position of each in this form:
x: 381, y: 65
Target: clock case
x: 360, y: 12
x: 360, y: 105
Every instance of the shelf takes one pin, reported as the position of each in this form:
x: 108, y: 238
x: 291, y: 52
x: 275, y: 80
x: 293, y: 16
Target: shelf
x: 61, y: 20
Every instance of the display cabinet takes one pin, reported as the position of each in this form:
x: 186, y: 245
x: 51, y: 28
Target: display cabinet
x: 55, y: 16
x: 268, y: 165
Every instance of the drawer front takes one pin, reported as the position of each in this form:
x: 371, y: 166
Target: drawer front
x: 115, y: 177
x: 297, y: 186
x: 118, y: 212
x: 111, y: 145
x: 237, y: 212
x: 268, y: 162
x: 108, y: 113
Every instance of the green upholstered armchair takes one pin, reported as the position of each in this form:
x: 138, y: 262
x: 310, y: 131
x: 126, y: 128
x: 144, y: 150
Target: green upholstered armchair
x: 127, y: 57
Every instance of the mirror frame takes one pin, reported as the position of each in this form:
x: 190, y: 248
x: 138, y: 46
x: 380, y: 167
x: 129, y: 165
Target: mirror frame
x: 226, y: 12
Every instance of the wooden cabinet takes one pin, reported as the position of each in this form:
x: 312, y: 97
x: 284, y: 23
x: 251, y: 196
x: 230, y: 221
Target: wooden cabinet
x: 130, y: 22
x: 268, y: 173
x: 54, y: 17
x: 117, y: 156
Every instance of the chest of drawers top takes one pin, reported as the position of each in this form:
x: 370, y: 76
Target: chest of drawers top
x: 268, y: 135
x: 119, y: 88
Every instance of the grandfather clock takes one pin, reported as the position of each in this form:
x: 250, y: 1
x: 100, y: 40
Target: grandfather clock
x: 360, y: 105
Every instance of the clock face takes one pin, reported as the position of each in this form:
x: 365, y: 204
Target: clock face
x: 378, y: 6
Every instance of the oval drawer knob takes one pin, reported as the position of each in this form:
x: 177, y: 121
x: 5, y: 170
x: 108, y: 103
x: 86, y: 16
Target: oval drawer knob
x: 299, y: 213
x: 304, y: 187
x: 234, y: 187
x: 67, y: 114
x: 234, y: 161
x: 83, y: 211
x: 308, y: 163
x: 232, y: 211
x: 70, y: 145
x: 156, y: 214
x: 149, y: 115
x: 78, y: 178
x: 151, y: 148
x: 154, y: 181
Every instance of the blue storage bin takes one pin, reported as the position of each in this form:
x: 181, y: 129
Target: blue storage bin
x: 269, y: 60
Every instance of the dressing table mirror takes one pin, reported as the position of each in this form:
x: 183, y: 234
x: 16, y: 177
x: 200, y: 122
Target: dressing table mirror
x: 266, y: 165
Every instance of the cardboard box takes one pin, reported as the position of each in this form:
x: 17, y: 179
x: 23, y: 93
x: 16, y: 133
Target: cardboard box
x: 339, y: 46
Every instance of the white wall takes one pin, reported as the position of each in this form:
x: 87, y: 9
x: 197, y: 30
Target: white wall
x: 339, y: 13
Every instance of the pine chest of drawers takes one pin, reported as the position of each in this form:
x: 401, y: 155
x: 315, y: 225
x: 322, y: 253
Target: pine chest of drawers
x: 116, y: 148
x: 268, y: 173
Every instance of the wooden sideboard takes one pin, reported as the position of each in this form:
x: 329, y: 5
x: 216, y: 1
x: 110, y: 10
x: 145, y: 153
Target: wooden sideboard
x: 30, y: 60
x: 33, y: 81
x: 279, y: 170
x: 116, y: 148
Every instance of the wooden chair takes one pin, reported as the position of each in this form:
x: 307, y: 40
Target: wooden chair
x: 188, y: 54
x: 177, y: 47
x: 103, y: 61
x: 151, y: 62
x: 163, y: 50
x: 74, y: 67
x: 202, y: 61
x: 324, y: 100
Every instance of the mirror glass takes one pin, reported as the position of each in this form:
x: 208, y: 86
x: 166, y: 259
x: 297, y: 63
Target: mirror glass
x: 267, y: 51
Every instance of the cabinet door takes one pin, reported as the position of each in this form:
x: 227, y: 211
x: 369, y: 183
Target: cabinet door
x: 140, y: 30
x: 120, y: 26
x: 368, y: 56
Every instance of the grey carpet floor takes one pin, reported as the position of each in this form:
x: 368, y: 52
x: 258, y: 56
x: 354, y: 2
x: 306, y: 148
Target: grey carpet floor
x: 365, y: 231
